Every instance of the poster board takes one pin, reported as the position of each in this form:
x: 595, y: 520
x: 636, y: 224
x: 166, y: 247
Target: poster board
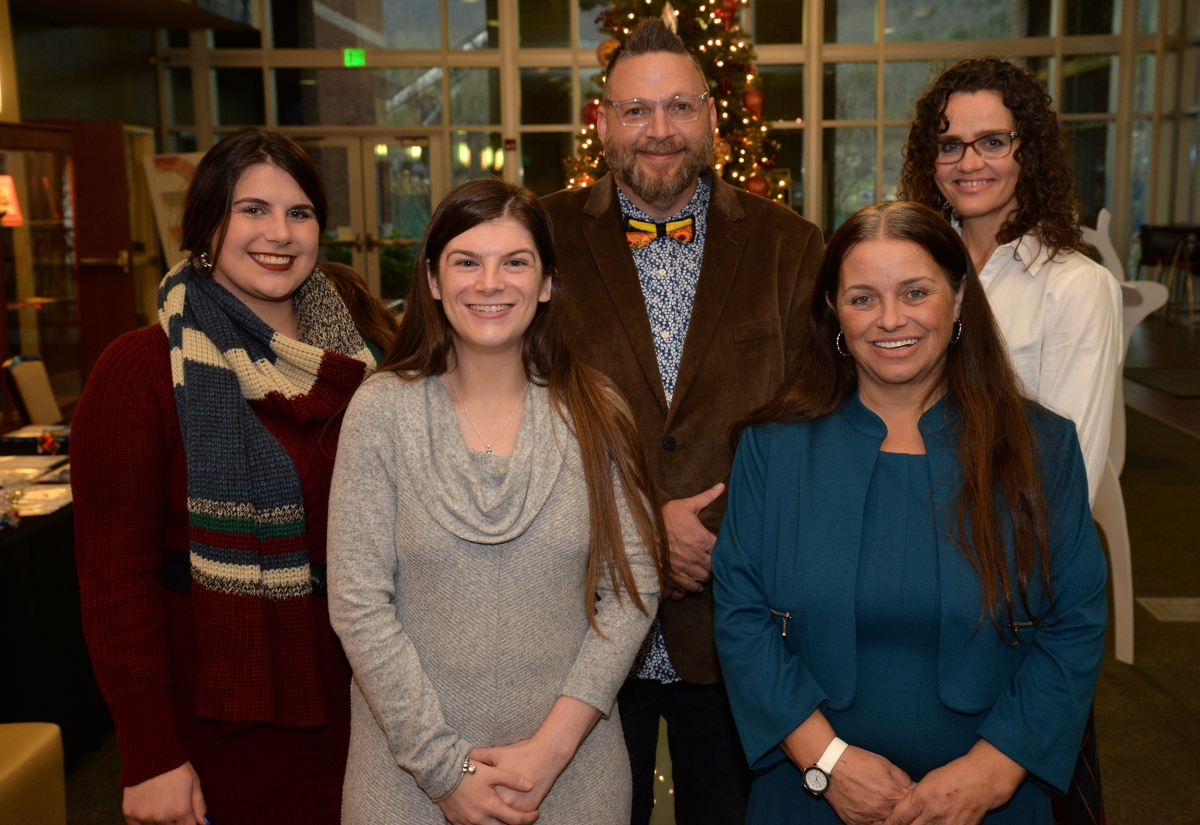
x: 167, y: 177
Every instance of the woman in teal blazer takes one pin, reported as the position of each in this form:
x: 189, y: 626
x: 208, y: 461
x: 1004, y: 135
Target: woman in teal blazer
x: 910, y: 603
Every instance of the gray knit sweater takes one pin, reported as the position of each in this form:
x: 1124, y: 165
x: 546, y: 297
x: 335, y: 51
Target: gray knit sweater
x: 456, y: 584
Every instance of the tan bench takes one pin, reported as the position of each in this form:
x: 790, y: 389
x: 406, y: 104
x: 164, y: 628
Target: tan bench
x: 32, y: 789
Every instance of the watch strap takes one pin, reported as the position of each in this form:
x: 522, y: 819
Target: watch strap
x: 832, y: 754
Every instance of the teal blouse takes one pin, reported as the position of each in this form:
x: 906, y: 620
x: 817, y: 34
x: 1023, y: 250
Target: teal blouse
x: 801, y: 537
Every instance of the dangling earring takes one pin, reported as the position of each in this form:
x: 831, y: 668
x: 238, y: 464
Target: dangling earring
x: 205, y: 263
x: 956, y: 335
x: 837, y: 342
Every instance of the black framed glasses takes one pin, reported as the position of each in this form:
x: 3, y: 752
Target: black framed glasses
x: 681, y: 109
x: 988, y: 147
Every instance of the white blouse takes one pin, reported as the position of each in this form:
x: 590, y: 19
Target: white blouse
x: 1061, y: 319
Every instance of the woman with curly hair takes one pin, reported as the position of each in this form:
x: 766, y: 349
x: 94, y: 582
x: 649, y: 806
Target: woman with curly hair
x: 986, y: 150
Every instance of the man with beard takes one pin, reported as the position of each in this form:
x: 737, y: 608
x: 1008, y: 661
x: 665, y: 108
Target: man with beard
x: 691, y: 295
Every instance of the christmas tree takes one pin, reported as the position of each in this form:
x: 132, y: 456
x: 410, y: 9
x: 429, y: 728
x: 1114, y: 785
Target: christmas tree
x: 711, y: 30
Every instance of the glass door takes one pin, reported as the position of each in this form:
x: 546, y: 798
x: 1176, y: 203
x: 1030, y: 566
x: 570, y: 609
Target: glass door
x: 382, y: 190
x: 338, y: 159
x: 401, y: 198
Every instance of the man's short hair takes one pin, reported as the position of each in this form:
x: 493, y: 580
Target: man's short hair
x: 650, y: 36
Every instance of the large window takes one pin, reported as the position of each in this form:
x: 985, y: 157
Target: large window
x: 496, y: 87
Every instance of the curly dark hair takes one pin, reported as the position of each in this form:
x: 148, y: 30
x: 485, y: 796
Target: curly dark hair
x: 1046, y: 203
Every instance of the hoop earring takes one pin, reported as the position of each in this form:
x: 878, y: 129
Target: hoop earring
x: 956, y: 335
x: 837, y: 343
x: 205, y: 263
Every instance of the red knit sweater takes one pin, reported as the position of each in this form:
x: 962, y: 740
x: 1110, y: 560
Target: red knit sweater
x: 129, y: 478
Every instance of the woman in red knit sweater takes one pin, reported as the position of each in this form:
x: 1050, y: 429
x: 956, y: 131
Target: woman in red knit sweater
x: 202, y: 453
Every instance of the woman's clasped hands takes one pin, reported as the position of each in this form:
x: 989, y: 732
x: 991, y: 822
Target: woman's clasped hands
x: 517, y: 777
x: 529, y: 758
x: 508, y: 785
x: 961, y: 792
x: 478, y: 799
x: 865, y: 788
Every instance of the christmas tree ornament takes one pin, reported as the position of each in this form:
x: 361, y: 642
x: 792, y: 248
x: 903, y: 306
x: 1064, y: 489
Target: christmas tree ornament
x: 604, y: 51
x: 589, y: 113
x: 670, y: 17
x: 722, y: 153
x: 758, y: 185
x: 753, y: 100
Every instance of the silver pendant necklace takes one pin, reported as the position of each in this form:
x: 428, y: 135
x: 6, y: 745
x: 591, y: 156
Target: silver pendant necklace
x: 487, y: 445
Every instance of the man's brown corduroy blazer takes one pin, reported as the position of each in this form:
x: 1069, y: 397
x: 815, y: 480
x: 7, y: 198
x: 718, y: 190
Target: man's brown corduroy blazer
x: 746, y: 333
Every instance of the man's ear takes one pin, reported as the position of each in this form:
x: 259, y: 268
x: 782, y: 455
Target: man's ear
x: 602, y: 122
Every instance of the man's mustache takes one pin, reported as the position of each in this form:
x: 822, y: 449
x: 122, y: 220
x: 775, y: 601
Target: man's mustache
x: 660, y: 147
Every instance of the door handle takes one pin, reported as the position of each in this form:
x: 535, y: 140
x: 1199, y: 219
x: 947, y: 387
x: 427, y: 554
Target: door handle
x: 120, y: 262
x: 373, y: 242
x: 357, y: 243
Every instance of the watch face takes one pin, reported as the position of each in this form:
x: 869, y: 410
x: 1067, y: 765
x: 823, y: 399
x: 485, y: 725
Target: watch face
x: 815, y: 781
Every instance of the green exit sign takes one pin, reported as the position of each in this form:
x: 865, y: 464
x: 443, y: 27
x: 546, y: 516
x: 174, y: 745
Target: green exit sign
x: 354, y: 57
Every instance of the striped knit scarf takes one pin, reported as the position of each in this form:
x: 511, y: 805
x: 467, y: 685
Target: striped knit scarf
x: 251, y: 595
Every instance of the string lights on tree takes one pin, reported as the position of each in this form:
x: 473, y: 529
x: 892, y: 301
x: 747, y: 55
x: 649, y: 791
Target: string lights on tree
x: 743, y: 154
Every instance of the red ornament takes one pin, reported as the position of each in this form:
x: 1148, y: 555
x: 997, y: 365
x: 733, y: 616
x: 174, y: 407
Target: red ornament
x: 753, y: 100
x: 758, y: 185
x: 730, y: 6
x: 589, y: 113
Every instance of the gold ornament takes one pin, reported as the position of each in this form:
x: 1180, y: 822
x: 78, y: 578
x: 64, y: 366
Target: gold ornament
x: 722, y: 153
x: 604, y: 51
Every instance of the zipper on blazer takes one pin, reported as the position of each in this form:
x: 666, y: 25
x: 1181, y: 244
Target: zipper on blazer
x: 782, y: 614
x: 1016, y: 626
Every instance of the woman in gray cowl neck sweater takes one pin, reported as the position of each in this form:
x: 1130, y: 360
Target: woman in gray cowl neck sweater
x: 495, y: 549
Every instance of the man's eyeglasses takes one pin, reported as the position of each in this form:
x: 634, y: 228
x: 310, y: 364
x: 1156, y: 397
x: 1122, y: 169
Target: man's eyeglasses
x: 681, y: 109
x: 988, y: 147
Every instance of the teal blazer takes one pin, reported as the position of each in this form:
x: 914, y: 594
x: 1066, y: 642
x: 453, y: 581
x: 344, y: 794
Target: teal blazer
x: 789, y: 544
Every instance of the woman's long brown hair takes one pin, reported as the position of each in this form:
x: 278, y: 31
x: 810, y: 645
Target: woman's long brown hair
x: 1002, y: 493
x: 1046, y: 203
x: 586, y: 400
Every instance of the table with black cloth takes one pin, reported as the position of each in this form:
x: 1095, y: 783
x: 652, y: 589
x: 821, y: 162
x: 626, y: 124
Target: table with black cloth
x: 45, y: 671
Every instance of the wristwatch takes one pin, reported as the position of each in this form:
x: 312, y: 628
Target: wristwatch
x: 816, y: 778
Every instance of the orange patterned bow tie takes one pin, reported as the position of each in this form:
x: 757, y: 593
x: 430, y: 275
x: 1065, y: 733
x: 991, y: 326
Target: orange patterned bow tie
x: 640, y: 233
